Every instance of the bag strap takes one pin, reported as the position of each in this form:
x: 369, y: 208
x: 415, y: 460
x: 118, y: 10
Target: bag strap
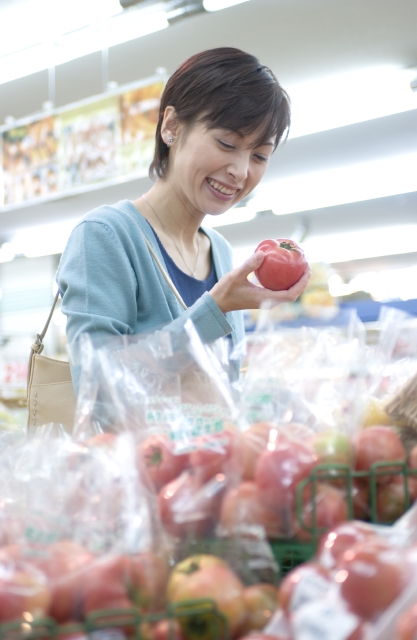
x: 169, y: 282
x: 37, y: 346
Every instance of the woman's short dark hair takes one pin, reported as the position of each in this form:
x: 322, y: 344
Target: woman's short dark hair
x: 225, y: 88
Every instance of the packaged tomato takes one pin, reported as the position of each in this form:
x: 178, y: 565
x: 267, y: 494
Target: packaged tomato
x: 361, y: 584
x: 173, y: 395
x: 90, y: 537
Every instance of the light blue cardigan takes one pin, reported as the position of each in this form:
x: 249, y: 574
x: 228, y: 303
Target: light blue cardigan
x: 110, y: 283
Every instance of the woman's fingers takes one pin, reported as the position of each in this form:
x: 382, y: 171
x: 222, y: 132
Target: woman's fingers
x: 251, y: 264
x: 234, y: 291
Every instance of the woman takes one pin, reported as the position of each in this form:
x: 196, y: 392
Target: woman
x: 222, y: 115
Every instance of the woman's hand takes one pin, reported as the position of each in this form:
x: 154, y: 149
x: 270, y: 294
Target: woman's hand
x: 234, y: 292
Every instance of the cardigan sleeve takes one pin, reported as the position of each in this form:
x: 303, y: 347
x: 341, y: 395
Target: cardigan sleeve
x: 100, y: 278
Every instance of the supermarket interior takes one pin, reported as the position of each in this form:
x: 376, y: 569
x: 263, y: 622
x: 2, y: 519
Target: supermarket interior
x: 240, y: 479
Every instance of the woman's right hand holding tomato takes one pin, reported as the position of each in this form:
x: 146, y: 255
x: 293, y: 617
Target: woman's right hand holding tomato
x: 234, y: 292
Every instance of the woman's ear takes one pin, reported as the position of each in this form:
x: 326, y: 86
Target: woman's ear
x: 169, y: 126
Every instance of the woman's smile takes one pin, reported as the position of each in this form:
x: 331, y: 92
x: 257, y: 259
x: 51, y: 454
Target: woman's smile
x: 220, y: 190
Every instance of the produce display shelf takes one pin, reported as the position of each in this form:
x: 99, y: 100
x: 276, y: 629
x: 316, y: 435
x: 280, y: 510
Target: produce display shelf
x: 290, y: 552
x: 201, y: 617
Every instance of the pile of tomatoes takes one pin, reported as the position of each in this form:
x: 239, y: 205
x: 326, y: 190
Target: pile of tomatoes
x: 357, y: 575
x: 261, y: 480
x: 253, y: 485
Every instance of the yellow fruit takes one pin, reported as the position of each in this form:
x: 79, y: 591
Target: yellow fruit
x: 375, y: 414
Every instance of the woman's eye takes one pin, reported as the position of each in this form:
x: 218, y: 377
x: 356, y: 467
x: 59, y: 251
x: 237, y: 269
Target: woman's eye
x: 226, y: 145
x: 262, y: 158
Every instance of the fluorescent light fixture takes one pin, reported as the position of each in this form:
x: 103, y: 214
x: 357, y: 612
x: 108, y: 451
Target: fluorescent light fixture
x: 45, y: 17
x: 384, y: 285
x: 217, y: 5
x: 44, y: 240
x: 233, y: 216
x: 6, y: 252
x: 362, y: 243
x: 73, y: 44
x: 355, y: 96
x: 351, y: 183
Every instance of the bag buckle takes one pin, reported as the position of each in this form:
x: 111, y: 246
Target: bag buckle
x: 37, y: 346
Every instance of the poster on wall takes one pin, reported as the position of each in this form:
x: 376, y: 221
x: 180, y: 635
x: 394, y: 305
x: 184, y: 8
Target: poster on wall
x: 99, y: 140
x: 30, y: 167
x: 139, y: 111
x: 88, y: 138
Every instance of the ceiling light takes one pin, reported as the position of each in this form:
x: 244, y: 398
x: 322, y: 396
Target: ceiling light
x: 361, y: 244
x: 217, y: 5
x: 352, y: 183
x: 44, y: 240
x: 179, y: 9
x: 355, y: 96
x: 6, y: 252
x: 76, y: 43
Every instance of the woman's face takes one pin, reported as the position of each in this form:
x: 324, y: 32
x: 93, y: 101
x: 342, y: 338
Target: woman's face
x: 211, y: 170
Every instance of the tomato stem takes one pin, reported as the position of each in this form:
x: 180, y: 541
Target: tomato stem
x: 288, y: 245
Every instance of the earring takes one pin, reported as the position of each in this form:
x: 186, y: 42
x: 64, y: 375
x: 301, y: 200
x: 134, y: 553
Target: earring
x: 170, y: 140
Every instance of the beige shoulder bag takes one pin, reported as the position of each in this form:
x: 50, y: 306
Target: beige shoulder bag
x: 50, y: 393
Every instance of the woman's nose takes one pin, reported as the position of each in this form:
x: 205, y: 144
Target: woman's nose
x: 239, y: 167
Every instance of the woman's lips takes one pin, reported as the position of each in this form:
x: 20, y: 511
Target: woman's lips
x: 221, y: 196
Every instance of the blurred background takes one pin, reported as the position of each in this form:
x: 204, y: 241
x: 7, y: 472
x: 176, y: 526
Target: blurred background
x: 79, y: 88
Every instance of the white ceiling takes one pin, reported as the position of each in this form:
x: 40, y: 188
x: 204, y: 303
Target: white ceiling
x: 301, y: 40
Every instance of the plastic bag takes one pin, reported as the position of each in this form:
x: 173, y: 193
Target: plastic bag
x: 173, y: 395
x: 89, y: 538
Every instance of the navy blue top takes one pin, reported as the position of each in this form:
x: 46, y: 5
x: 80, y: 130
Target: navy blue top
x: 189, y: 288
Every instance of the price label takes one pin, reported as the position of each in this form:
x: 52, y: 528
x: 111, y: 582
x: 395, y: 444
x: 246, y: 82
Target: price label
x: 324, y: 619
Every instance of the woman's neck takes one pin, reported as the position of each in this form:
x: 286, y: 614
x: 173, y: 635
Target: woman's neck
x: 164, y: 209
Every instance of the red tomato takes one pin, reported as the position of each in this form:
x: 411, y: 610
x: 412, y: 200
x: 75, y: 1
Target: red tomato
x: 371, y: 577
x: 406, y: 624
x: 219, y: 584
x: 167, y: 629
x: 148, y: 575
x: 189, y: 507
x: 341, y: 538
x: 360, y: 498
x: 23, y: 592
x: 260, y: 601
x: 327, y: 509
x: 412, y: 458
x: 65, y: 566
x: 379, y: 444
x: 391, y: 499
x: 156, y: 452
x: 101, y: 440
x: 254, y: 442
x: 283, y: 265
x: 243, y: 512
x: 279, y: 470
x: 316, y: 581
x: 106, y: 585
x: 207, y: 461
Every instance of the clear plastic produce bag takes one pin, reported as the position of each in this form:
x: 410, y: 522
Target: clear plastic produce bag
x: 172, y: 393
x: 89, y: 535
x: 361, y: 585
